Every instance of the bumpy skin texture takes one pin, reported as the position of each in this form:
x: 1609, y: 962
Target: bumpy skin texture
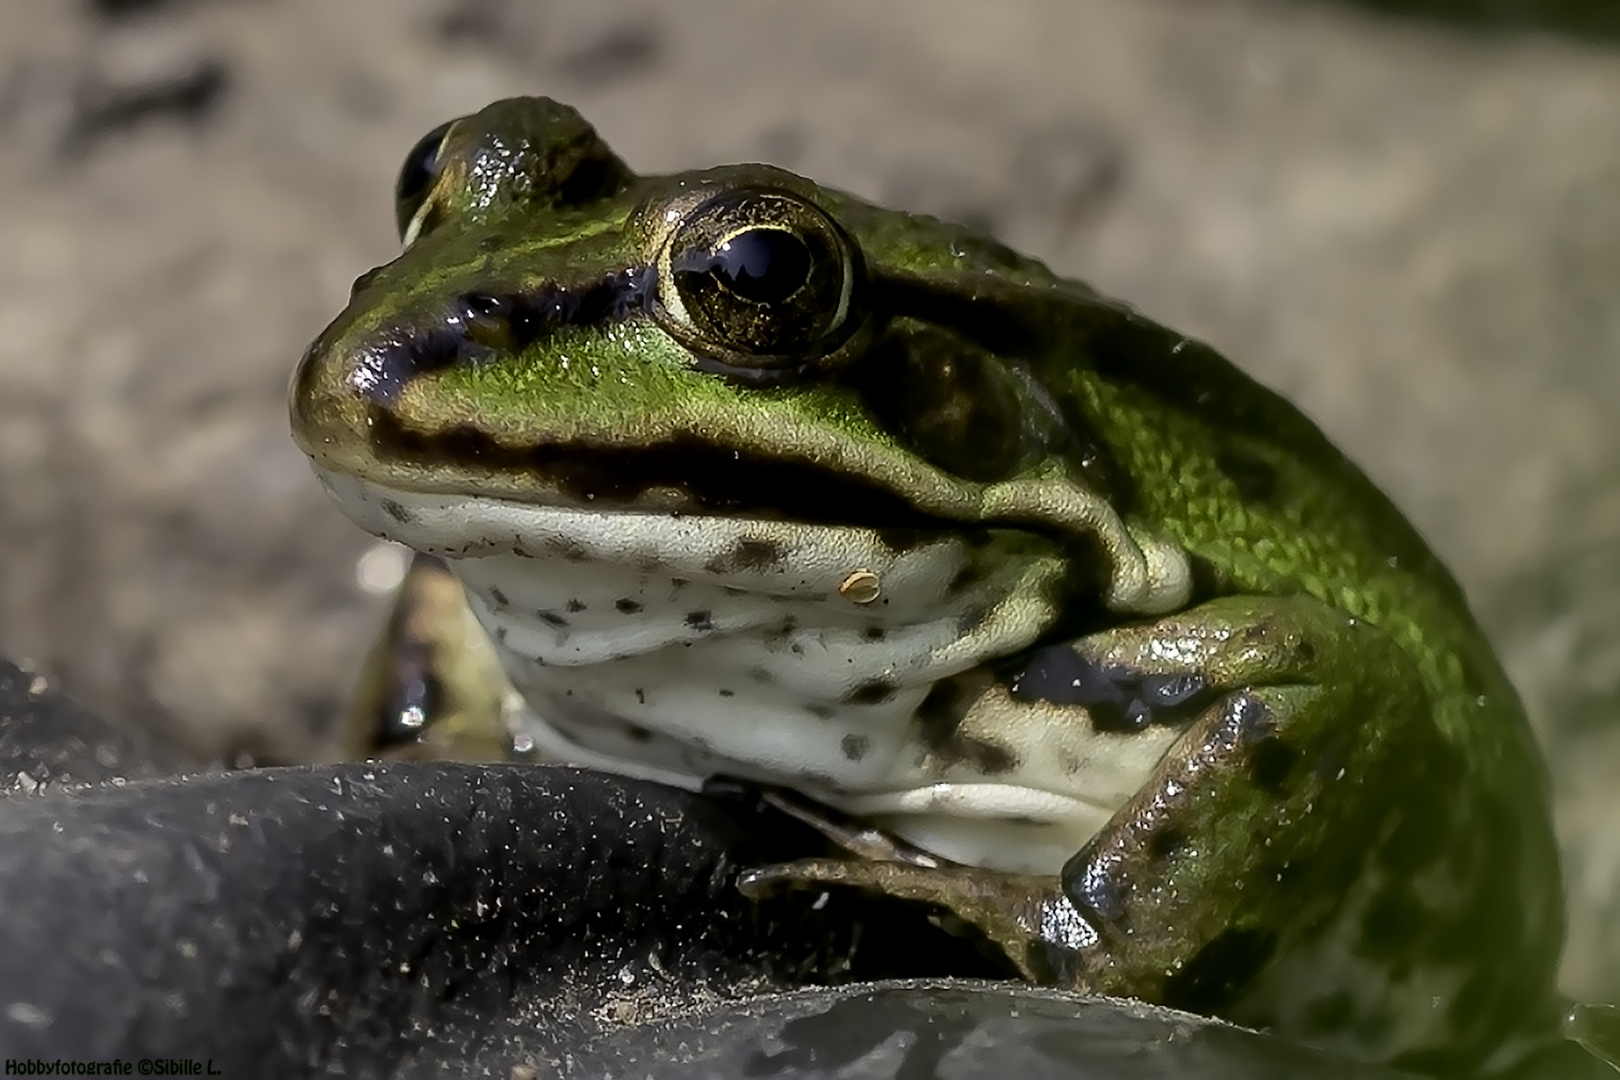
x: 1104, y: 535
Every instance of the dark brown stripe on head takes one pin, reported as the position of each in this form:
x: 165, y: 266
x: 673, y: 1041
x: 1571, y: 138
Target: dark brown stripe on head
x: 483, y: 324
x: 715, y: 478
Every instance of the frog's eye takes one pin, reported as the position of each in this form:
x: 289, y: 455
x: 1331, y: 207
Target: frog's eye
x: 416, y: 177
x: 759, y: 282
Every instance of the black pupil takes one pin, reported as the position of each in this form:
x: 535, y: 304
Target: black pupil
x: 763, y: 265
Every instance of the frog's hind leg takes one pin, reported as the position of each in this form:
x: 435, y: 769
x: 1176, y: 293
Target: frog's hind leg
x: 431, y: 685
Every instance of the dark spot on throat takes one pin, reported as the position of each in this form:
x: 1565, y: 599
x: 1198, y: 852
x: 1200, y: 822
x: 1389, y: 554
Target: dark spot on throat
x: 626, y: 606
x: 991, y: 759
x: 748, y: 555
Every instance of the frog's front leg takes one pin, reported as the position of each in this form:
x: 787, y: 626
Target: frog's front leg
x: 431, y: 685
x: 1312, y: 739
x: 1307, y: 735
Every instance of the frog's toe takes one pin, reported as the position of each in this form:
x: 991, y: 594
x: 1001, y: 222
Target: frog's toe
x: 765, y: 881
x: 1024, y: 917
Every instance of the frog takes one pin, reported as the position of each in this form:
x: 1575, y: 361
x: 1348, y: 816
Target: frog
x: 1055, y: 622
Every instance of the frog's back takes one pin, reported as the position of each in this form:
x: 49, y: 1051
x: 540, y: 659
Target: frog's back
x: 1265, y: 504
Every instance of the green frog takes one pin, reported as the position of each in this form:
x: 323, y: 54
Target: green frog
x: 1056, y: 621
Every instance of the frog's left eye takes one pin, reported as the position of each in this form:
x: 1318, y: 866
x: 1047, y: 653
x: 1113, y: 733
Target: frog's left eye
x: 760, y: 283
x: 417, y: 175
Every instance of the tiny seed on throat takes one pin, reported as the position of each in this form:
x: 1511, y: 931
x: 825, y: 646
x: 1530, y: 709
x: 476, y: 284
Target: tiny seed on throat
x: 860, y: 587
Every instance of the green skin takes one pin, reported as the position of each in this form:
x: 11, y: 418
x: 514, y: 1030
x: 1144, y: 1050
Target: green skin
x: 1350, y: 839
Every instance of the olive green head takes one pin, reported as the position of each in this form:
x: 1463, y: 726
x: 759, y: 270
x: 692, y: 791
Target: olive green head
x: 736, y: 340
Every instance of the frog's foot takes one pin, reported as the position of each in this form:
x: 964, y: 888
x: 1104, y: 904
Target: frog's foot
x: 431, y: 686
x: 1025, y: 916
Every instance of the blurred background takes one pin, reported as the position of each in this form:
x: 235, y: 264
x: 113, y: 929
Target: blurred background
x: 1404, y: 214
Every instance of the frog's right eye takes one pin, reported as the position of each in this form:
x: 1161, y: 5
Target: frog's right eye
x: 416, y: 178
x: 760, y: 284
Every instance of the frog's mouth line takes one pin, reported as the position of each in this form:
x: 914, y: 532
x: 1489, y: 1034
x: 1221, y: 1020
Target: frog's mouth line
x: 684, y: 474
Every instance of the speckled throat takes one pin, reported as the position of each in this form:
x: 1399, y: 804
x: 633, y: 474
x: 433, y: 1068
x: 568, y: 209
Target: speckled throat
x: 680, y: 647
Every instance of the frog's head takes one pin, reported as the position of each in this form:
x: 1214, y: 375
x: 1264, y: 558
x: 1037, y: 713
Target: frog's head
x: 736, y: 343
